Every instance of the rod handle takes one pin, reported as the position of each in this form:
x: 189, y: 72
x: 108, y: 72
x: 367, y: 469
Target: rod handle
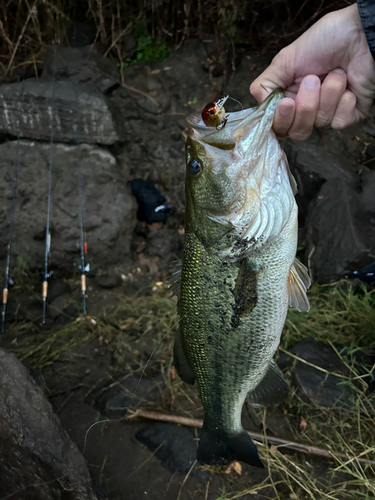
x: 45, y: 289
x: 83, y: 282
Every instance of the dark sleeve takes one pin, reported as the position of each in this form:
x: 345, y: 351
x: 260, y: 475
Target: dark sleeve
x: 367, y: 12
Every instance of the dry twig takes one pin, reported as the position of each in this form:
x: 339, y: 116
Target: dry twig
x: 286, y: 443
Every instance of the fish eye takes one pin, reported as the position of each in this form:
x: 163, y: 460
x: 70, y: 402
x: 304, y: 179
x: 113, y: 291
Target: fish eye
x: 195, y: 166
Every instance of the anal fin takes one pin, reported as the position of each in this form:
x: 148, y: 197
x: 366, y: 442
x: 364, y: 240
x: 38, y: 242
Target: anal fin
x: 272, y: 389
x: 184, y: 370
x: 298, y: 282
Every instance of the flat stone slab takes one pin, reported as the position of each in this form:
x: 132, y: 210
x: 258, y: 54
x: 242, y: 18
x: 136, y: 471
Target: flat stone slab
x: 80, y: 112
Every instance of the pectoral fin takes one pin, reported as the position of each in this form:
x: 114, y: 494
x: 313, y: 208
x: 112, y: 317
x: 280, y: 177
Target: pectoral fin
x: 272, y: 389
x: 298, y: 282
x: 184, y: 370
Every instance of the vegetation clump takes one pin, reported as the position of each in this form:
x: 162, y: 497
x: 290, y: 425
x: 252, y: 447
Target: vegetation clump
x: 148, y: 50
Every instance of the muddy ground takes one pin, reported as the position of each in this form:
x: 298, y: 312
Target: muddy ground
x: 89, y: 368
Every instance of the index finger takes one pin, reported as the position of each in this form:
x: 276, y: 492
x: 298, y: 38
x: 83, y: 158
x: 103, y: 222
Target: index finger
x: 279, y: 74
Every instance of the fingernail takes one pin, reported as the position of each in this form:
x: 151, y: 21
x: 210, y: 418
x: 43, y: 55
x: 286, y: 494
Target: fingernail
x: 310, y: 82
x: 338, y: 70
x: 286, y: 110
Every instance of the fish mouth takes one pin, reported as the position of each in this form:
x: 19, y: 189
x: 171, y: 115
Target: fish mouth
x: 237, y: 126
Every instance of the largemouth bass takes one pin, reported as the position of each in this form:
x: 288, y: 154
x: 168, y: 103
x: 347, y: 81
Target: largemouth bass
x: 238, y: 275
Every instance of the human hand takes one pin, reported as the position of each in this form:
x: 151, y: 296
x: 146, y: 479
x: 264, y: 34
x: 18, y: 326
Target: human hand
x: 327, y: 75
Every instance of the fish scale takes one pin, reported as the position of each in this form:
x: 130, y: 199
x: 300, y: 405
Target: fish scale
x: 228, y: 347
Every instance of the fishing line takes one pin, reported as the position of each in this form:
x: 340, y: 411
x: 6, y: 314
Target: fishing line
x: 46, y: 273
x: 233, y: 99
x: 8, y: 279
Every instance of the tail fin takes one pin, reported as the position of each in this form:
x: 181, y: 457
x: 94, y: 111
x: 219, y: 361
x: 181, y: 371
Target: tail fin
x: 218, y: 449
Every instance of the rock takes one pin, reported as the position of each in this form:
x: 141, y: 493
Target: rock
x: 80, y: 65
x: 108, y: 280
x: 164, y: 243
x: 79, y: 34
x: 56, y: 288
x: 67, y: 314
x: 309, y: 160
x: 108, y: 207
x: 126, y: 104
x: 38, y: 461
x: 127, y: 392
x: 177, y: 447
x: 367, y: 196
x: 340, y: 238
x: 312, y: 166
x: 80, y: 112
x: 314, y: 385
x: 57, y: 306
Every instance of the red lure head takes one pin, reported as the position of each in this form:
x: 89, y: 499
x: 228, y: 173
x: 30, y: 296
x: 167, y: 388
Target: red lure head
x: 210, y: 115
x: 213, y: 114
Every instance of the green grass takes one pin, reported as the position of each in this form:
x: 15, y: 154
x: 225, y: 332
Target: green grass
x: 151, y: 316
x: 147, y: 50
x: 339, y: 313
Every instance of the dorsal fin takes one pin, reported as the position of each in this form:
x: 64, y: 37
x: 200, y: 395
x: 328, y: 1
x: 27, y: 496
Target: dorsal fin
x: 298, y: 282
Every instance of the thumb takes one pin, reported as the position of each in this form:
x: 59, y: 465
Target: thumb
x: 279, y: 74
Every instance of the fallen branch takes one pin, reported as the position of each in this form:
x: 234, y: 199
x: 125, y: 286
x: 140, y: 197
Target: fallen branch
x: 286, y: 443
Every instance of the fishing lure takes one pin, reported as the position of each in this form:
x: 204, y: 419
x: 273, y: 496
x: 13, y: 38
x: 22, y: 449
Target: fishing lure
x: 213, y: 115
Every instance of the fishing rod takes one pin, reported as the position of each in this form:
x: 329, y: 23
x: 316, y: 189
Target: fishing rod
x: 8, y: 280
x: 46, y: 274
x: 83, y: 267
